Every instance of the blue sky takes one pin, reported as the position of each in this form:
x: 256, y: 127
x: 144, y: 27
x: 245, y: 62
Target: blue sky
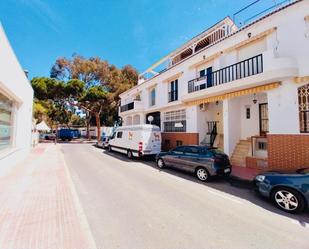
x: 136, y: 32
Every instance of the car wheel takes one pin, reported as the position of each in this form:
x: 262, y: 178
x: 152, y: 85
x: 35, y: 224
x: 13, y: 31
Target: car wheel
x: 288, y: 200
x: 202, y: 174
x: 129, y: 154
x: 160, y: 163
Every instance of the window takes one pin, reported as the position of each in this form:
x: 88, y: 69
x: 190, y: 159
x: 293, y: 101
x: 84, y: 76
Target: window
x: 178, y: 151
x: 303, y: 103
x: 248, y: 112
x: 262, y: 145
x: 119, y: 134
x: 192, y: 151
x: 175, y: 121
x: 202, y: 73
x: 138, y: 97
x: 178, y: 143
x: 153, y: 97
x: 167, y: 143
x: 173, y: 91
x: 6, y: 122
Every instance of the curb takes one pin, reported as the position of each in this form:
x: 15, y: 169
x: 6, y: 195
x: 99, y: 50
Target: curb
x: 79, y: 209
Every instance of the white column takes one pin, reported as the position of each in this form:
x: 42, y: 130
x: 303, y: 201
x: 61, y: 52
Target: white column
x: 231, y: 124
x: 191, y: 119
x: 283, y: 109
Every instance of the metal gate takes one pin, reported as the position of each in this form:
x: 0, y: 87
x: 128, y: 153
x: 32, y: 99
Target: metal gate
x: 303, y: 101
x: 263, y: 119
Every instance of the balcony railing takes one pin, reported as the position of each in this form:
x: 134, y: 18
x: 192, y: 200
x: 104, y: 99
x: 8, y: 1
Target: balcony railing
x: 242, y: 69
x: 127, y: 107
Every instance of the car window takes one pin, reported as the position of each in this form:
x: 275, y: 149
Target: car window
x: 119, y: 134
x: 178, y: 150
x: 192, y: 151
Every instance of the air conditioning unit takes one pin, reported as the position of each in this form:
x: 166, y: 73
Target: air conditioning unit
x: 204, y: 107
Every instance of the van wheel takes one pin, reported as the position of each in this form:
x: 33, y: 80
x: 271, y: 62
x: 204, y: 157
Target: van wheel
x: 202, y: 174
x: 130, y: 154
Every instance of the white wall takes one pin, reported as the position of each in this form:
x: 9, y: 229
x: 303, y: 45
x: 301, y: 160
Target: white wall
x: 232, y: 129
x: 251, y: 127
x: 283, y: 109
x: 15, y: 85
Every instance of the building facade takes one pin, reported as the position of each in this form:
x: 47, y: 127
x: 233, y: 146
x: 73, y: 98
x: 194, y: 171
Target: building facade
x: 244, y: 90
x: 16, y: 96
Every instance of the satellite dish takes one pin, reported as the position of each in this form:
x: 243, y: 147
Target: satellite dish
x: 150, y: 119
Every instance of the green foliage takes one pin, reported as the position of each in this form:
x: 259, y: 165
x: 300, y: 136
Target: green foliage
x: 90, y: 84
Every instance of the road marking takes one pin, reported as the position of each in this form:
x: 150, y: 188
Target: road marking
x: 225, y: 196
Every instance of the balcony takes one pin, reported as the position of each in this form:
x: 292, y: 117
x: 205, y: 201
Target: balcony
x: 261, y: 69
x: 243, y: 69
x: 134, y: 106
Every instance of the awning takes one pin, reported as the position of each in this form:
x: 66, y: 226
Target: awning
x: 247, y: 91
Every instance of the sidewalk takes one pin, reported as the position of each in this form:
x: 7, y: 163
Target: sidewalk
x: 243, y: 173
x: 39, y: 208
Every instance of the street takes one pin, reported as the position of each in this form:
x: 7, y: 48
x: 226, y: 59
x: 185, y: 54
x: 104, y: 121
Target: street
x: 131, y: 204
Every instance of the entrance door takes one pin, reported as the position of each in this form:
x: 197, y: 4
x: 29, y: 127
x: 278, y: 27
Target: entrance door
x: 263, y: 119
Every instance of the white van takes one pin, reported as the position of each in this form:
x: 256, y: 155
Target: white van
x: 136, y: 140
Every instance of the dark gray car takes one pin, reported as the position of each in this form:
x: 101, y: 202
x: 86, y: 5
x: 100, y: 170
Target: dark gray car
x: 203, y: 161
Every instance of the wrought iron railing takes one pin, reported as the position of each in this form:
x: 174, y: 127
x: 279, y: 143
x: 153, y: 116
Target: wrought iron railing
x: 304, y: 121
x: 239, y: 70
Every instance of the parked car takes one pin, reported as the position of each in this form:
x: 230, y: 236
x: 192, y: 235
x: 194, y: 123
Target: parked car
x: 66, y: 134
x: 203, y: 161
x: 136, y: 140
x: 104, y: 141
x: 47, y: 136
x: 289, y: 191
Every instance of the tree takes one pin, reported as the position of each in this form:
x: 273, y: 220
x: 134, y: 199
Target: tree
x: 93, y: 72
x: 90, y: 84
x: 91, y: 99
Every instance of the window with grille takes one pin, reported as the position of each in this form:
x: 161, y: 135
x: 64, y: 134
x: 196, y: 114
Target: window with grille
x: 175, y: 121
x: 303, y: 101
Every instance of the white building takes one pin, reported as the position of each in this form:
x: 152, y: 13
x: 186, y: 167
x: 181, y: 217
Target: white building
x: 245, y: 90
x: 16, y: 96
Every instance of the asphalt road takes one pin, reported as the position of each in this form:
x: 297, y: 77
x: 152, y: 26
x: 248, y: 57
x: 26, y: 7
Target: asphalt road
x: 131, y: 204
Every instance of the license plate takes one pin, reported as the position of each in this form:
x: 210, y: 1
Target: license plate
x: 227, y: 170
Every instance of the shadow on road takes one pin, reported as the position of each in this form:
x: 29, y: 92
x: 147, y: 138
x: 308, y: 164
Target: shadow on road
x: 242, y: 190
